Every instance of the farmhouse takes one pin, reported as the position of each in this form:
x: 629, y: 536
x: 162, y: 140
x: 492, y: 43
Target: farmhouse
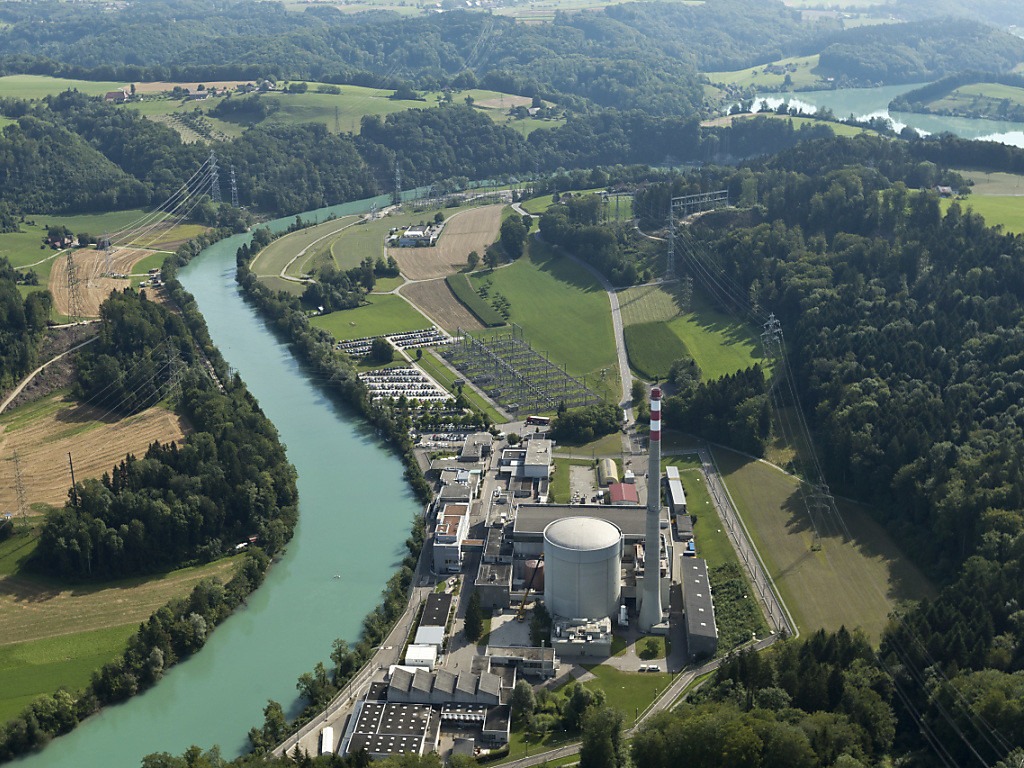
x: 117, y: 97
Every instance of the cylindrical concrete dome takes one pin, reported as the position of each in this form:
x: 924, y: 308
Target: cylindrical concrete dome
x: 582, y: 565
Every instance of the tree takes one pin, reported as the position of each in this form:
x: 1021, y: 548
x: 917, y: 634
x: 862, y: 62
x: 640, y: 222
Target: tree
x: 523, y: 702
x: 438, y: 217
x: 512, y: 236
x: 474, y: 618
x: 638, y: 391
x: 492, y: 257
x: 381, y: 351
x: 472, y: 260
x: 602, y: 738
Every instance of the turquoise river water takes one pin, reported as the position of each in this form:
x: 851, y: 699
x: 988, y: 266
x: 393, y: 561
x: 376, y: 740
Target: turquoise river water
x: 355, y: 514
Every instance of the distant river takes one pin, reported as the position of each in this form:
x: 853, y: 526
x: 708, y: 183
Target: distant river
x: 355, y: 511
x: 874, y: 102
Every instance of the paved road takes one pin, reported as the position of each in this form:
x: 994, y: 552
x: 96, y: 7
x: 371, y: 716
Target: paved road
x: 17, y: 390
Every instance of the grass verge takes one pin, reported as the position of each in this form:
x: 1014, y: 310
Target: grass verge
x: 473, y: 301
x: 652, y: 348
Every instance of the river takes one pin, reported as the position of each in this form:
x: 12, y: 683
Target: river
x: 874, y: 102
x: 355, y: 514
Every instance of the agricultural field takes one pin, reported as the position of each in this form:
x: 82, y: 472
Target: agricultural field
x: 340, y: 113
x: 384, y: 313
x: 478, y: 305
x: 467, y: 230
x: 38, y: 86
x: 94, y: 287
x: 718, y: 343
x: 993, y: 183
x: 652, y: 348
x: 436, y: 300
x: 855, y: 583
x: 286, y: 254
x: 772, y: 76
x: 52, y: 636
x: 1006, y: 211
x: 44, y: 431
x: 563, y: 310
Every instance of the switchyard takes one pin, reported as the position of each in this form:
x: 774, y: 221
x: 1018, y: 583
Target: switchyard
x: 513, y: 373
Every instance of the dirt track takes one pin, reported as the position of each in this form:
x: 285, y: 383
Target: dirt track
x: 93, y: 287
x: 45, y: 431
x: 472, y: 230
x: 436, y: 299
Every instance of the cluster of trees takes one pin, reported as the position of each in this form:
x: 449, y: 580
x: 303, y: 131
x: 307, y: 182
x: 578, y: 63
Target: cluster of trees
x: 581, y: 425
x: 22, y: 323
x: 820, y: 702
x: 227, y: 481
x: 733, y: 409
x: 617, y: 251
x: 245, y: 110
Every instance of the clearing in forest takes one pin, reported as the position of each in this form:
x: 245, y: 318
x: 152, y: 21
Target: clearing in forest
x: 471, y: 230
x: 719, y: 344
x: 45, y: 431
x: 436, y: 299
x: 854, y: 582
x: 1006, y: 211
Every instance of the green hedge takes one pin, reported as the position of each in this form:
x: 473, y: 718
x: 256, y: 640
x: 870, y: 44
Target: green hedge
x: 474, y: 302
x: 652, y: 348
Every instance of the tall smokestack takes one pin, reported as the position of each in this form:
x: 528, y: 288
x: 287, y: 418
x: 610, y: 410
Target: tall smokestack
x: 650, y: 605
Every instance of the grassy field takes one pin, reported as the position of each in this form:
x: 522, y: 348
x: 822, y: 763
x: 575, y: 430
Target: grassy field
x: 609, y: 445
x: 1006, y: 211
x: 993, y: 182
x: 53, y: 636
x: 631, y: 692
x: 563, y: 310
x: 719, y: 344
x: 652, y: 348
x: 537, y: 205
x: 37, y: 86
x: 799, y: 69
x: 840, y: 129
x: 272, y: 259
x: 444, y: 376
x: 853, y: 583
x: 30, y: 669
x: 560, y: 490
x: 385, y: 313
x: 476, y: 303
x: 342, y: 112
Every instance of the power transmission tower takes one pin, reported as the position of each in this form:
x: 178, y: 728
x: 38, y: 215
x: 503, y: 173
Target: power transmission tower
x: 214, y: 179
x: 337, y: 120
x: 19, y: 485
x: 174, y: 364
x: 74, y: 287
x: 234, y: 189
x: 398, y: 184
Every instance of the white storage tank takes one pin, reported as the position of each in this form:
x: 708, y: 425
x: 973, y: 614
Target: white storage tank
x: 582, y: 568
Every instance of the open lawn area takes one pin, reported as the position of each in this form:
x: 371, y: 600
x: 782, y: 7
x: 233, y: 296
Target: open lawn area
x: 30, y: 669
x: 986, y: 100
x: 37, y: 86
x: 384, y: 313
x: 562, y: 310
x: 631, y: 692
x: 854, y: 583
x: 718, y: 343
x: 609, y: 445
x: 53, y: 635
x: 772, y: 76
x: 1006, y: 211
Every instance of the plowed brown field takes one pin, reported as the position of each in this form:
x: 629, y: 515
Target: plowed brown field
x: 472, y: 230
x: 436, y: 299
x: 93, y: 287
x: 43, y: 432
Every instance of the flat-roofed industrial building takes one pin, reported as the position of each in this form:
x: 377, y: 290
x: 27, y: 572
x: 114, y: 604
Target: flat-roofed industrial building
x: 699, y: 607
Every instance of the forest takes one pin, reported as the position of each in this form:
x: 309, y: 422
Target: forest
x: 22, y: 324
